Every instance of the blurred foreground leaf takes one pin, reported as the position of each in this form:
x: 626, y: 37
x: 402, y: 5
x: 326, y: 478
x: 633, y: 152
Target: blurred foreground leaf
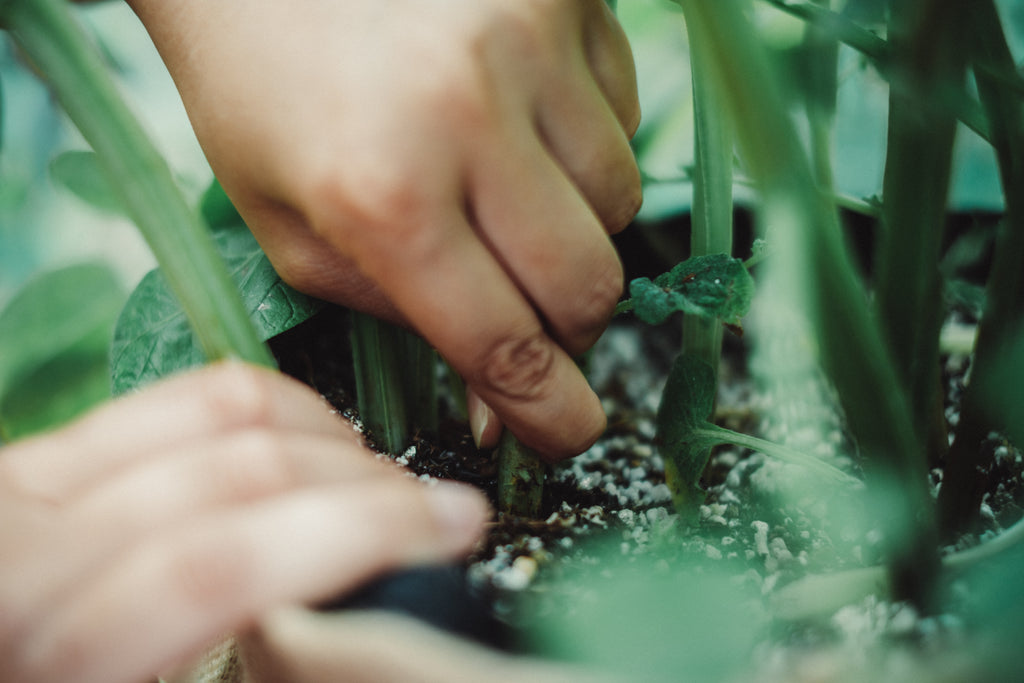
x: 80, y: 172
x: 54, y: 336
x: 1001, y: 389
x: 648, y: 619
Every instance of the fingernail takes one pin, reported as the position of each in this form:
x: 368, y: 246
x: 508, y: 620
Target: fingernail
x: 480, y: 418
x: 479, y: 415
x: 459, y: 509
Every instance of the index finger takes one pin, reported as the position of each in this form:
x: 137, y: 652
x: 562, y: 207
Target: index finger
x: 460, y: 298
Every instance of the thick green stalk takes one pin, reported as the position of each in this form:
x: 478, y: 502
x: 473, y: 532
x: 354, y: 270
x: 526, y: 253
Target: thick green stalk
x: 712, y: 211
x: 967, y: 464
x: 181, y: 243
x: 812, y: 266
x: 820, y: 57
x: 928, y: 62
x: 396, y: 385
x: 521, y: 475
x: 711, y: 232
x: 420, y: 361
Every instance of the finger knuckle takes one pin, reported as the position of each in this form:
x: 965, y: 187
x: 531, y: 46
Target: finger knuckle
x: 303, y: 274
x: 201, y: 570
x: 519, y: 367
x: 367, y: 198
x: 368, y: 211
x: 599, y: 297
x: 257, y: 463
x: 527, y: 32
x: 237, y: 395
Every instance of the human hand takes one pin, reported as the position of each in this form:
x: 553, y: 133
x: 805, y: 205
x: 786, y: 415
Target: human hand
x: 301, y: 646
x: 168, y: 519
x: 453, y: 165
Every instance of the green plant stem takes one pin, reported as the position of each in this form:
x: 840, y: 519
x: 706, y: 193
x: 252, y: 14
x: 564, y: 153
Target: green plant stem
x: 714, y: 435
x: 421, y: 383
x: 820, y: 54
x: 967, y: 464
x: 521, y: 475
x: 878, y: 50
x: 837, y: 26
x: 865, y: 207
x: 711, y: 232
x: 378, y: 383
x: 812, y: 265
x: 929, y: 62
x: 711, y: 229
x: 46, y: 31
x: 395, y: 381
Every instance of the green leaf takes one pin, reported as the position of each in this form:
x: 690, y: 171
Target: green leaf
x: 216, y: 207
x: 999, y: 389
x: 80, y: 171
x: 711, y: 286
x: 651, y: 617
x: 57, y: 391
x: 54, y: 336
x: 2, y: 121
x: 153, y: 338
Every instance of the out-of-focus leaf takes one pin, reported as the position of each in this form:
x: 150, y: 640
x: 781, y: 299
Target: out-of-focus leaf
x: 993, y: 613
x: 1001, y: 389
x: 80, y: 172
x: 54, y: 336
x: 712, y: 286
x: 654, y: 619
x: 217, y: 208
x: 153, y: 337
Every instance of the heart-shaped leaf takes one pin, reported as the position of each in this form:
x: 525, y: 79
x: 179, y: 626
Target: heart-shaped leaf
x: 153, y: 337
x: 711, y: 286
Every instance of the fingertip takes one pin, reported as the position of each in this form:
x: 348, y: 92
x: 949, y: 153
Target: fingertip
x: 582, y: 431
x: 459, y: 511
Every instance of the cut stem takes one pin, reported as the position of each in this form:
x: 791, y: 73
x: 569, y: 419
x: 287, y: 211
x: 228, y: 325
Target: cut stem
x: 520, y: 478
